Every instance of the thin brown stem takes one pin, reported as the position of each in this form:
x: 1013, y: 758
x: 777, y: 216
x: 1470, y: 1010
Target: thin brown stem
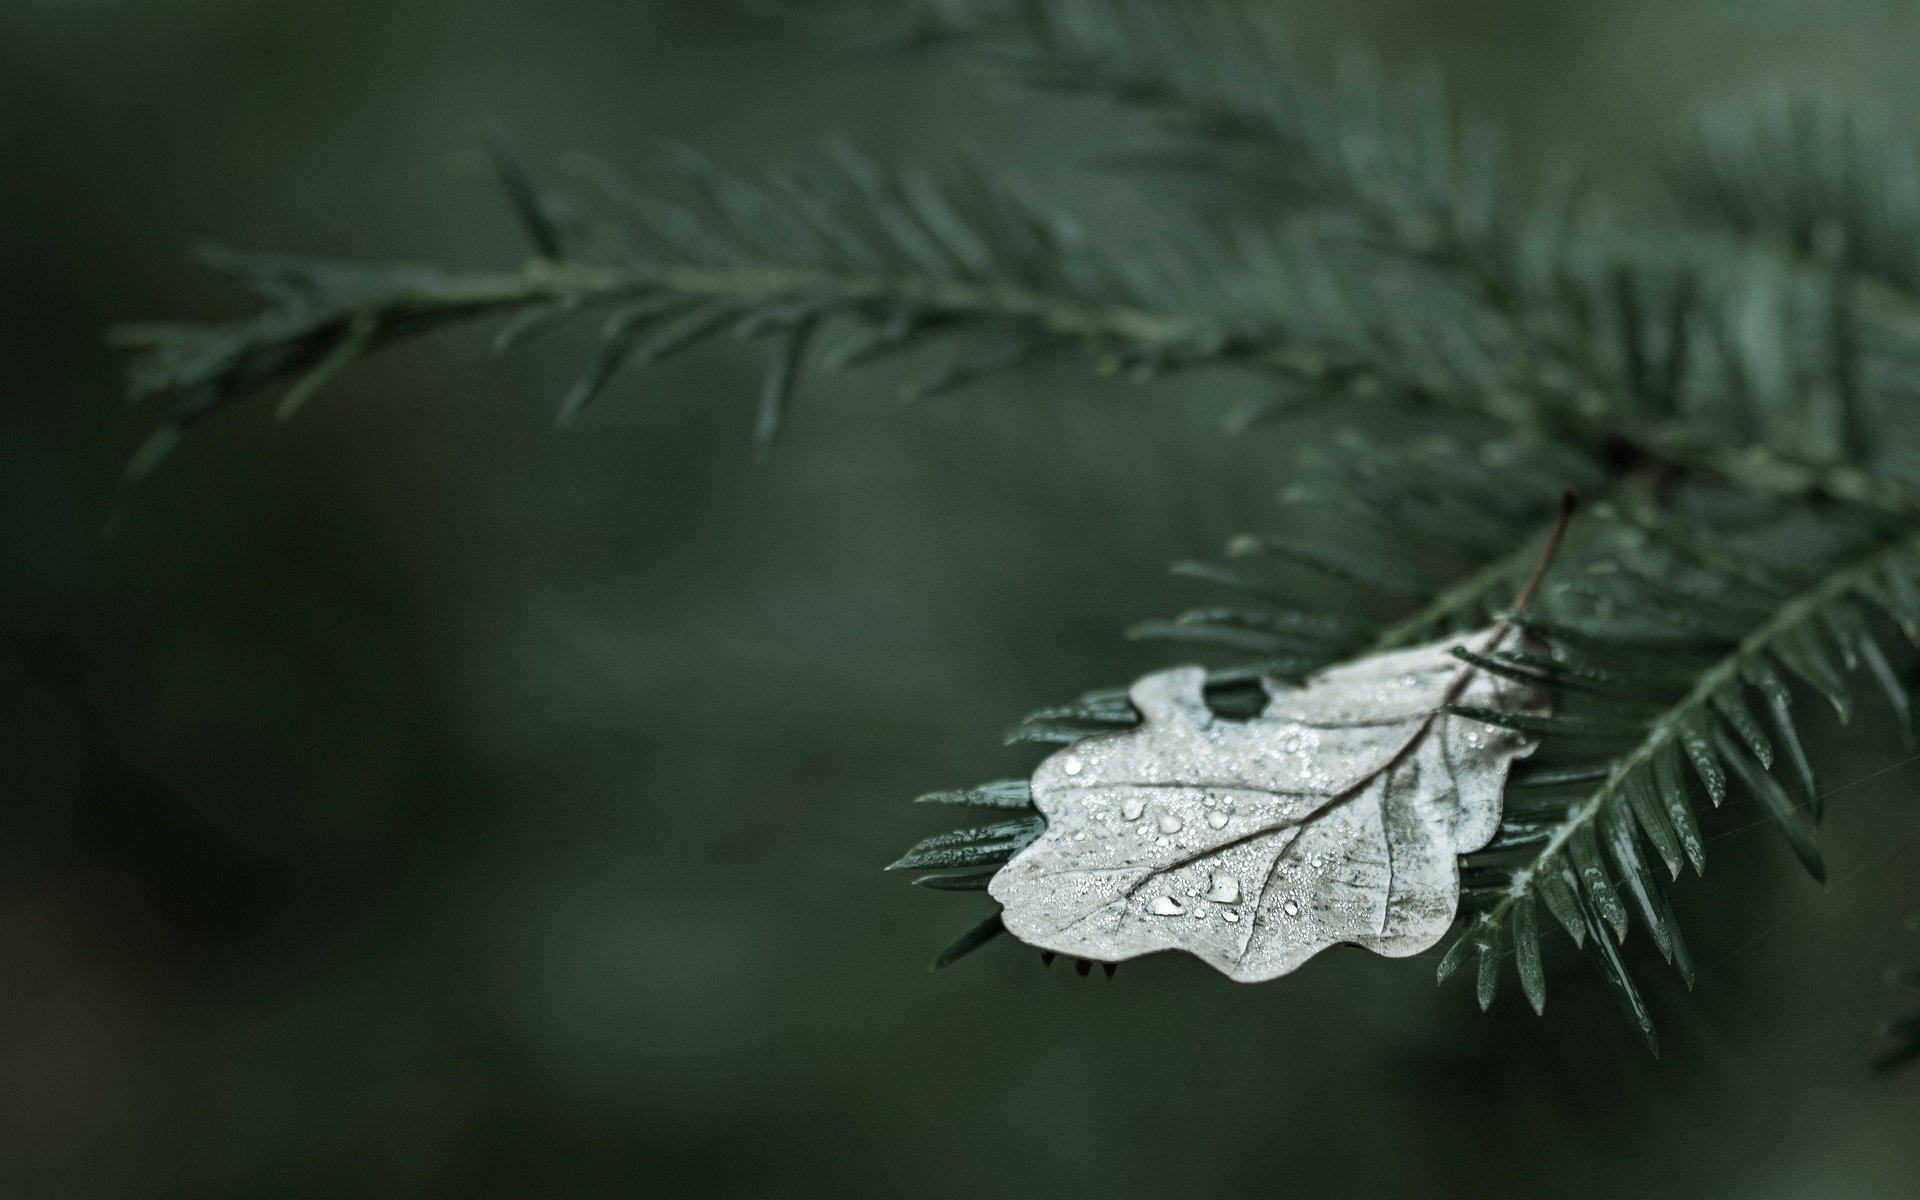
x: 1458, y: 684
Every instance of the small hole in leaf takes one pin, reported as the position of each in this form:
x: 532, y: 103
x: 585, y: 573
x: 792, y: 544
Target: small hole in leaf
x: 1238, y: 700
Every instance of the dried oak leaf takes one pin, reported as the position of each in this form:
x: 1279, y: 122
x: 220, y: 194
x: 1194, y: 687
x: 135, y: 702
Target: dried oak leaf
x: 1335, y: 816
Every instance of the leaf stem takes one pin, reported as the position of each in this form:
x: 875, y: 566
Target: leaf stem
x: 1469, y: 593
x: 1569, y: 500
x: 237, y: 357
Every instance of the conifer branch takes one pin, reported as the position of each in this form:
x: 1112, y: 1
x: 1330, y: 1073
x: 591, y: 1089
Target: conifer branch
x: 1641, y: 793
x: 1758, y: 354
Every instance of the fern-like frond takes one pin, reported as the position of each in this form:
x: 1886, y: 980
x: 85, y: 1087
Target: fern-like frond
x: 1669, y: 338
x: 1413, y: 278
x: 1219, y: 76
x: 1675, y: 657
x: 1654, y: 353
x: 878, y: 262
x: 1682, y: 657
x: 1835, y: 181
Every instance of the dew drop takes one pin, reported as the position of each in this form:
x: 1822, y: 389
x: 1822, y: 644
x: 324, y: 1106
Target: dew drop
x: 1233, y: 918
x: 1132, y: 807
x: 1170, y: 823
x: 1072, y: 766
x: 1293, y: 910
x: 1225, y: 890
x: 1216, y: 820
x: 1166, y: 906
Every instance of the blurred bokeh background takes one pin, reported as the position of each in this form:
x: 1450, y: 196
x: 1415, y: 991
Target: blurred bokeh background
x: 417, y: 801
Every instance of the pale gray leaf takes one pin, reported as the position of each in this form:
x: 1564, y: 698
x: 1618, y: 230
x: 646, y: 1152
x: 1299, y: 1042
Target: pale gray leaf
x: 1335, y: 816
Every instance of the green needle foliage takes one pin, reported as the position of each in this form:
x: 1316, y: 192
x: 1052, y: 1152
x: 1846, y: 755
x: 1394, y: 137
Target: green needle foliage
x: 1729, y: 378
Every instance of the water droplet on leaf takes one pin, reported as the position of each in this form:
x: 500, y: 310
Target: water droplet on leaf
x: 1225, y: 890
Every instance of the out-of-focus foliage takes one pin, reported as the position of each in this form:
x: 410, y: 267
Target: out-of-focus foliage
x: 1903, y: 1031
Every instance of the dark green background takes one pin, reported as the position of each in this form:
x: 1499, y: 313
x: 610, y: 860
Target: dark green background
x: 417, y: 801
